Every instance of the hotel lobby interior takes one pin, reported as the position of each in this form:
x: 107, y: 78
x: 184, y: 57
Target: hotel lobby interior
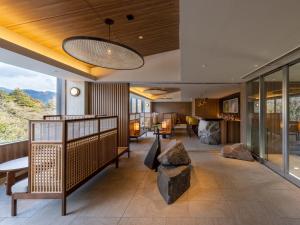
x: 153, y: 112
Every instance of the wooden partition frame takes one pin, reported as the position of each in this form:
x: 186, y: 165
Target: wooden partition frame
x: 63, y: 155
x: 69, y: 117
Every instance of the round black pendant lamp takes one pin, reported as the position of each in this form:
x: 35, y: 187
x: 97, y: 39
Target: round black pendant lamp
x: 102, y: 52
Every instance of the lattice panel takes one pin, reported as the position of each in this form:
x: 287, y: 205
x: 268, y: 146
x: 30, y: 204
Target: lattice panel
x: 82, y: 160
x: 46, y: 168
x: 108, y: 146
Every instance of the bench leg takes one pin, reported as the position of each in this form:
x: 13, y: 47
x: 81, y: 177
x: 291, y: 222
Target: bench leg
x: 10, y: 181
x: 13, y: 206
x: 64, y: 206
x: 117, y: 162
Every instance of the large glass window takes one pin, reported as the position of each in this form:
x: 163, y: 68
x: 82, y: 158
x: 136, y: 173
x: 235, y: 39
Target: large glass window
x: 24, y: 95
x: 273, y: 118
x: 133, y: 105
x: 139, y: 106
x: 253, y: 117
x: 294, y: 121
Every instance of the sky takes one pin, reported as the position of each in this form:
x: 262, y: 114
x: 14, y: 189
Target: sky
x: 13, y: 77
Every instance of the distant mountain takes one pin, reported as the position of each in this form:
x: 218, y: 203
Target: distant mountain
x: 43, y: 96
x: 5, y: 90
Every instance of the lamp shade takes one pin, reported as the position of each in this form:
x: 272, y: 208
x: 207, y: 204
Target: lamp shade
x: 136, y: 126
x: 102, y: 52
x: 164, y: 125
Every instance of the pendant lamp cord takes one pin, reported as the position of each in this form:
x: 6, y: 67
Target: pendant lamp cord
x: 108, y: 31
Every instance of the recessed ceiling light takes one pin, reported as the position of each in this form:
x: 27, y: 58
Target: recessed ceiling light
x: 255, y: 65
x: 141, y: 37
x: 204, y: 65
x: 296, y: 168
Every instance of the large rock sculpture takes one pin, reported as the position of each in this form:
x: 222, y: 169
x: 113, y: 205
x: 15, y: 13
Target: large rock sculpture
x: 173, y: 181
x: 151, y: 160
x: 209, y: 132
x: 174, y: 173
x: 236, y: 151
x: 174, y: 155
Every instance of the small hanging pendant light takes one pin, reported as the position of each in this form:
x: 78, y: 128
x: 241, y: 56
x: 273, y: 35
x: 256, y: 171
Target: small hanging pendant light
x: 102, y: 52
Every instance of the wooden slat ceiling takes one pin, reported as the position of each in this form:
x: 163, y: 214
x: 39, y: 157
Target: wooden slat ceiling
x: 49, y: 22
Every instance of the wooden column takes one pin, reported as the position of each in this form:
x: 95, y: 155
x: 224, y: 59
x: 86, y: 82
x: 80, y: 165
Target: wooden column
x: 111, y: 99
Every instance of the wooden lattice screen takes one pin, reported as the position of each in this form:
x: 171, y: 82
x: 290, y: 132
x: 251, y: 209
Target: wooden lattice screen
x: 64, y: 153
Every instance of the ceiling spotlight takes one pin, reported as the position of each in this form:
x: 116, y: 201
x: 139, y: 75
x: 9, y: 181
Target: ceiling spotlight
x: 141, y: 37
x: 130, y: 17
x: 204, y: 65
x: 255, y: 66
x: 296, y: 168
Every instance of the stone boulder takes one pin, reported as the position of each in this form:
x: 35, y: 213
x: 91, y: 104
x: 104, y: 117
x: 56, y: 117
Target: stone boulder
x: 236, y: 151
x: 151, y: 160
x: 174, y: 155
x: 172, y: 182
x: 209, y: 132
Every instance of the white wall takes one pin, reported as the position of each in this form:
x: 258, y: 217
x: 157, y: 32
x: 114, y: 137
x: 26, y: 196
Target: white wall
x: 76, y: 105
x: 162, y: 67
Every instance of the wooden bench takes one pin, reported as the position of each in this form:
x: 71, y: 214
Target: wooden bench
x: 11, y: 168
x: 65, y: 154
x: 121, y: 151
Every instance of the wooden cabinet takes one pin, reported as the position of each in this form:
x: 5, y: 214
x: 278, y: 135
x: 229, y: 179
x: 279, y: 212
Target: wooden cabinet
x: 230, y: 131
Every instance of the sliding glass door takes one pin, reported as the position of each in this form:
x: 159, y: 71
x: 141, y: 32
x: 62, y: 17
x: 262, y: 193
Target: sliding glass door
x: 294, y: 121
x: 253, y: 117
x: 273, y: 120
x: 272, y: 104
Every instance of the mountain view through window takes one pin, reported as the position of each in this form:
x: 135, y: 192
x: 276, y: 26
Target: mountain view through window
x: 24, y: 95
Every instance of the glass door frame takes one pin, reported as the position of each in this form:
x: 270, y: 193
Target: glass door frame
x: 285, y: 122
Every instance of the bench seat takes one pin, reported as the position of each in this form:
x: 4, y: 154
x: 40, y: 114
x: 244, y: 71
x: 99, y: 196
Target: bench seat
x: 20, y: 187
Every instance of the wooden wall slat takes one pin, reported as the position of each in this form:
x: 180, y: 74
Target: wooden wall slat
x: 111, y: 99
x: 13, y: 151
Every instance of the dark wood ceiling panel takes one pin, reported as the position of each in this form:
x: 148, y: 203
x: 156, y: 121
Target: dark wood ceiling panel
x: 49, y: 22
x: 25, y: 11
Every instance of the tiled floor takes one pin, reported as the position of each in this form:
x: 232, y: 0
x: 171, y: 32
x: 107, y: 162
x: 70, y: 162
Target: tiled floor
x: 223, y: 192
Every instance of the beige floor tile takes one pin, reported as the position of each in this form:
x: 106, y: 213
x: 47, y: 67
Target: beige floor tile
x: 197, y: 193
x: 142, y: 221
x: 107, y: 206
x: 212, y: 209
x: 95, y: 221
x: 223, y: 192
x: 181, y: 221
x: 178, y: 209
x: 13, y: 221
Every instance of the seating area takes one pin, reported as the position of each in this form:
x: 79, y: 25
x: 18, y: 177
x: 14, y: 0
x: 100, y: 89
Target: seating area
x: 64, y: 154
x: 149, y: 112
x: 220, y: 192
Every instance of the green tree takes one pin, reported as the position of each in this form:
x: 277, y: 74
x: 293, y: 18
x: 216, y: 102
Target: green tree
x: 22, y: 99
